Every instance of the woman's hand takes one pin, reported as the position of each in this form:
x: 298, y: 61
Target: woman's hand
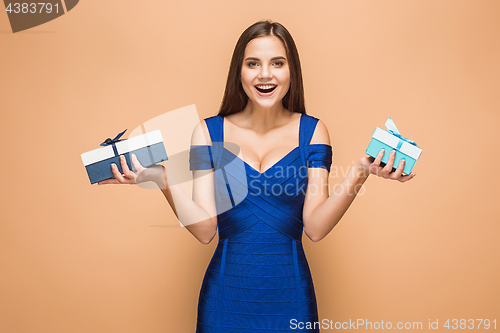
x: 153, y: 173
x: 369, y: 165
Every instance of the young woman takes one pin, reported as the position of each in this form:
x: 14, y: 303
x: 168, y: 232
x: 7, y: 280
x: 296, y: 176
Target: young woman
x: 258, y: 279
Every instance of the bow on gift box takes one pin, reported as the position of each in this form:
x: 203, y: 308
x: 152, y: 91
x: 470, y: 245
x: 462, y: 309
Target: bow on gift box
x: 112, y: 142
x: 389, y: 124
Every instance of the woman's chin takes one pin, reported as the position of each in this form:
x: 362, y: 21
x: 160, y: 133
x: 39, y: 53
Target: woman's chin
x: 266, y: 103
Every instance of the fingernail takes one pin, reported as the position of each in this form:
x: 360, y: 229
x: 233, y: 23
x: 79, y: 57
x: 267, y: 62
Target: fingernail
x: 133, y: 155
x: 393, y: 152
x: 402, y: 162
x: 413, y: 175
x: 113, y: 165
x: 122, y: 157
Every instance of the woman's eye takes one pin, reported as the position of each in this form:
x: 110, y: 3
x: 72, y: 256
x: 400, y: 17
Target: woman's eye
x: 252, y: 64
x: 279, y: 63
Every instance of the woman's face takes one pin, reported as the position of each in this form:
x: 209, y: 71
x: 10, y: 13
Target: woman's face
x: 265, y: 75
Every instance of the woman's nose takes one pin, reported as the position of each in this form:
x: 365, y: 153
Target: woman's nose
x: 265, y: 73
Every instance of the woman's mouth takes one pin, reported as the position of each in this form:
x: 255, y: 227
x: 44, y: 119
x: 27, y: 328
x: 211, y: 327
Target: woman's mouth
x: 265, y: 89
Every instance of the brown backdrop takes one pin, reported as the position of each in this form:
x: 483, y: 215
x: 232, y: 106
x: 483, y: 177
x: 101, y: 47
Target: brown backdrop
x: 81, y: 258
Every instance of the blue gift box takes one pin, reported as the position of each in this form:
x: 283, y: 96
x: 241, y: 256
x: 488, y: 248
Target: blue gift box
x: 389, y: 140
x: 148, y: 148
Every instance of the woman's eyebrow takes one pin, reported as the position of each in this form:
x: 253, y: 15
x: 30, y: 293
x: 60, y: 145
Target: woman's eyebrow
x: 257, y: 59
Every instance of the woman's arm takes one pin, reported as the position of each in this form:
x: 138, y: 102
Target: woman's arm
x: 321, y: 211
x: 198, y: 215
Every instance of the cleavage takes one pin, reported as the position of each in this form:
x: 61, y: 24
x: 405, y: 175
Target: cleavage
x: 285, y: 151
x: 260, y: 169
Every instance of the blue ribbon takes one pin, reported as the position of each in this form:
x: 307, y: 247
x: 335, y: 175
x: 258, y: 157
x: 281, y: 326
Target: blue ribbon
x: 389, y: 124
x: 112, y: 142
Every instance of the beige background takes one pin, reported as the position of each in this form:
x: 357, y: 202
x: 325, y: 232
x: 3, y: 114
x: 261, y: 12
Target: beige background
x: 81, y: 258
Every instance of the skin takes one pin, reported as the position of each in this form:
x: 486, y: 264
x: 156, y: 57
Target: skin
x: 264, y: 119
x: 255, y: 130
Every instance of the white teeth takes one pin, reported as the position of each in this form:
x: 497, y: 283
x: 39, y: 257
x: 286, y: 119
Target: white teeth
x: 269, y: 86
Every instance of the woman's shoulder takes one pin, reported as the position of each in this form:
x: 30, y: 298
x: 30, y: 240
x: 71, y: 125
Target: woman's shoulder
x: 320, y: 135
x: 201, y: 133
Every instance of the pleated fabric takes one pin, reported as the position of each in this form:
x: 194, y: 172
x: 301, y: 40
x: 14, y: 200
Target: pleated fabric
x: 258, y: 279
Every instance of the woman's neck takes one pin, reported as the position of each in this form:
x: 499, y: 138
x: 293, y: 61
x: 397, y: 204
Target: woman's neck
x: 263, y: 119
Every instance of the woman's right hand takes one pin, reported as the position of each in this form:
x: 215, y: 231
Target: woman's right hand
x: 153, y: 173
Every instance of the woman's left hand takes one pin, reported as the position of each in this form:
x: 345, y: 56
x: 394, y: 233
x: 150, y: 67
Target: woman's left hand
x: 369, y: 165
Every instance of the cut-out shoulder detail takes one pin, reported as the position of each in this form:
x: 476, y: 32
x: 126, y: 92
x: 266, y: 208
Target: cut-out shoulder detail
x: 200, y: 134
x: 321, y: 134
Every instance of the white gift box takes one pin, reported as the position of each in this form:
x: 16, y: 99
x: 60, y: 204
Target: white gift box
x: 148, y: 148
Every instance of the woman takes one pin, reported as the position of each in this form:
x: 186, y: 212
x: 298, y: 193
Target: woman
x: 258, y: 279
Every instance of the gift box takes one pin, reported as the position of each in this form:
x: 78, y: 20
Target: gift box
x: 389, y: 140
x: 148, y: 148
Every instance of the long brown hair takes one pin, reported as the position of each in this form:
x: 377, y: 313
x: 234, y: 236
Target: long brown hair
x: 235, y: 99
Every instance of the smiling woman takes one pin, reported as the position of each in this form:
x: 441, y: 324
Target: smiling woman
x: 258, y: 279
x: 282, y: 59
x: 263, y: 73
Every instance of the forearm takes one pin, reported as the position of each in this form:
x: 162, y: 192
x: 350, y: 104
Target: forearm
x: 195, y: 219
x: 326, y: 215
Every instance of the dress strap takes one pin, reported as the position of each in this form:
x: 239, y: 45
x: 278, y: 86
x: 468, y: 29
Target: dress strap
x: 308, y: 125
x: 306, y: 131
x: 215, y: 129
x: 208, y: 156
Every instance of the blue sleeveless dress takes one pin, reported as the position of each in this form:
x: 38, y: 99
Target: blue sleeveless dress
x: 258, y: 279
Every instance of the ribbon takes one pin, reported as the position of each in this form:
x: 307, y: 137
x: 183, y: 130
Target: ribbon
x: 109, y: 141
x: 389, y: 124
x: 112, y: 142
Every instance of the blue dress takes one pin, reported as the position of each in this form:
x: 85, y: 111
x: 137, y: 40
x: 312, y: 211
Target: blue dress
x: 258, y: 279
